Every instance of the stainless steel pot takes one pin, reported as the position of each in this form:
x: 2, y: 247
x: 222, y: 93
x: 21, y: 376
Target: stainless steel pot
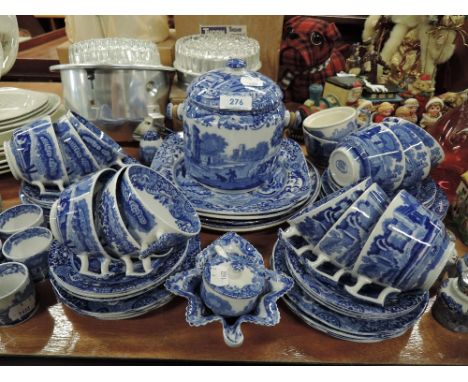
x: 115, y: 94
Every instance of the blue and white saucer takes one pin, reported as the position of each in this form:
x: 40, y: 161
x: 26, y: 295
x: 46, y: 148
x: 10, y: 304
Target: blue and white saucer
x: 124, y: 308
x: 114, y: 310
x: 289, y: 186
x: 334, y: 296
x: 363, y: 328
x: 64, y: 268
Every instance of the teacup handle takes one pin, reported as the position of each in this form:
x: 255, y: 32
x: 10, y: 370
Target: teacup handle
x: 362, y: 281
x: 84, y: 266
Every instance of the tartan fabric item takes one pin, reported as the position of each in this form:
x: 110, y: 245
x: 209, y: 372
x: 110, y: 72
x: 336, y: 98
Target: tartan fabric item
x: 308, y: 55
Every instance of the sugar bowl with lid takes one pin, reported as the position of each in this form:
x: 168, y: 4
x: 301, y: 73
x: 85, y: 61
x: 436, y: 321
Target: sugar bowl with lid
x: 233, y: 125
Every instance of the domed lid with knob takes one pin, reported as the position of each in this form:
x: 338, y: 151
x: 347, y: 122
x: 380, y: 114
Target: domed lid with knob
x: 235, y: 89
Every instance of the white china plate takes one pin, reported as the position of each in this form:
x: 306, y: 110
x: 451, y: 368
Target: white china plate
x: 292, y: 184
x: 17, y: 102
x: 54, y: 102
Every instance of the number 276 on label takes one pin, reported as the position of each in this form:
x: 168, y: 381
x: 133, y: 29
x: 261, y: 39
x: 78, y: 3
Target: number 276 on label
x: 230, y: 102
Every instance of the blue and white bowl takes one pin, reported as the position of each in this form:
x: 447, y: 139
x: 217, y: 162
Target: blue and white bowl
x: 331, y: 124
x: 79, y: 161
x: 31, y: 248
x: 436, y: 151
x: 343, y: 242
x: 315, y: 220
x: 149, y: 144
x: 318, y: 149
x: 72, y: 218
x: 417, y: 156
x: 19, y: 218
x: 405, y: 236
x: 233, y: 127
x: 158, y: 215
x: 374, y: 151
x: 34, y: 155
x: 17, y: 294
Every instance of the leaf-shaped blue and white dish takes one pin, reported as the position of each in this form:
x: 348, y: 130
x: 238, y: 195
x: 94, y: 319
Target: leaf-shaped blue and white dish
x: 291, y: 184
x: 187, y: 284
x: 230, y: 284
x: 65, y: 269
x: 334, y: 296
x: 364, y: 329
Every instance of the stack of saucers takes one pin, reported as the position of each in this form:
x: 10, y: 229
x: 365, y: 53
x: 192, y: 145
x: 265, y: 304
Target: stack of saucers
x: 363, y: 262
x: 120, y: 234
x: 294, y: 183
x: 18, y: 107
x: 396, y: 154
x: 48, y: 156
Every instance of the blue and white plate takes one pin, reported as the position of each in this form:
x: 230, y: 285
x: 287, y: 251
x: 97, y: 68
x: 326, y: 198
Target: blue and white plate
x: 332, y: 332
x: 64, y: 268
x: 334, y: 296
x: 362, y: 326
x: 291, y: 184
x: 187, y: 284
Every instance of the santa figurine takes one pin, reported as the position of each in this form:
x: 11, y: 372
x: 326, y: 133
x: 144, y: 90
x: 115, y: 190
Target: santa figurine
x: 413, y: 105
x: 433, y: 112
x: 384, y: 110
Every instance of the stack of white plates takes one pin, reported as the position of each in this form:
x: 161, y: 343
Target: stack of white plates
x: 18, y: 107
x: 294, y: 184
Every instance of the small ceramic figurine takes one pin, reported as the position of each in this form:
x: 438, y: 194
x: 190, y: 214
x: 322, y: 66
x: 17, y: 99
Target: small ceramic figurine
x: 406, y: 113
x: 433, y: 112
x: 413, y: 105
x: 384, y: 110
x: 422, y: 86
x: 364, y: 113
x: 453, y: 100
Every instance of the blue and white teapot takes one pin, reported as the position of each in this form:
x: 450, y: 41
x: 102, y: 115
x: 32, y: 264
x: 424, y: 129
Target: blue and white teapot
x: 233, y: 126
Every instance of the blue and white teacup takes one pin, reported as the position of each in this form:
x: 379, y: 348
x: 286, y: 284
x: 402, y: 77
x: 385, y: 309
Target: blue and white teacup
x: 374, y: 151
x: 158, y: 215
x: 104, y: 149
x: 314, y: 221
x: 405, y: 237
x: 17, y: 294
x: 72, y: 219
x: 318, y: 148
x: 436, y: 151
x: 149, y: 143
x: 33, y: 154
x: 20, y: 217
x: 78, y: 160
x: 31, y: 248
x: 417, y: 156
x: 113, y: 230
x: 331, y: 124
x: 343, y: 242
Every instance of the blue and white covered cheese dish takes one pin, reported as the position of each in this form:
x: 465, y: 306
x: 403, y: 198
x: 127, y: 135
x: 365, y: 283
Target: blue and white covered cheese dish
x: 233, y: 126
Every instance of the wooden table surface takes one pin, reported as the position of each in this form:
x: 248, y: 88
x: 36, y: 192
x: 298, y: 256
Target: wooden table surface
x: 164, y: 335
